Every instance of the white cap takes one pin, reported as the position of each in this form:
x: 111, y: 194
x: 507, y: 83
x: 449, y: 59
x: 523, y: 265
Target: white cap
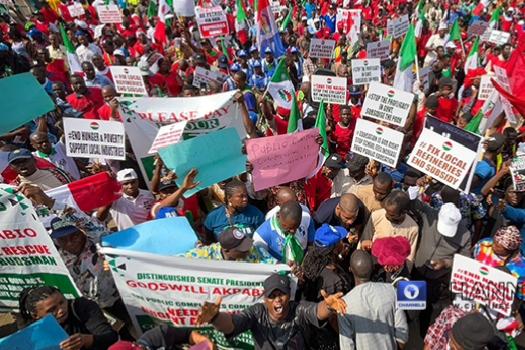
x: 448, y: 220
x: 451, y: 45
x: 126, y: 175
x: 442, y: 26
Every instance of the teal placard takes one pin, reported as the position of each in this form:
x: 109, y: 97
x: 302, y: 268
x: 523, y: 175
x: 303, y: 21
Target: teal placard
x: 22, y: 99
x: 217, y: 156
x: 44, y: 334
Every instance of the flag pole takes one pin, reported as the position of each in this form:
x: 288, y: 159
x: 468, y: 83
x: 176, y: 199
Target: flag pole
x: 462, y: 46
x: 417, y: 68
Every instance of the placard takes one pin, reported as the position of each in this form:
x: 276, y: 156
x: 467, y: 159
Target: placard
x: 377, y: 142
x: 204, y: 76
x: 477, y: 28
x: 424, y: 77
x: 211, y: 21
x: 517, y: 171
x: 109, y: 14
x: 329, y: 89
x: 498, y: 37
x: 503, y: 79
x: 366, y: 71
x: 442, y: 158
x: 350, y: 19
x: 378, y: 49
x: 168, y: 135
x: 385, y: 103
x: 128, y: 80
x: 76, y: 10
x: 320, y: 48
x: 485, y: 87
x: 483, y: 284
x: 87, y: 138
x: 397, y: 27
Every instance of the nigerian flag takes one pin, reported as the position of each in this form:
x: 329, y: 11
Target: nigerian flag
x: 72, y: 59
x: 472, y: 60
x: 455, y: 32
x: 295, y: 123
x: 287, y: 20
x: 494, y: 19
x: 405, y: 62
x: 320, y: 123
x: 280, y: 86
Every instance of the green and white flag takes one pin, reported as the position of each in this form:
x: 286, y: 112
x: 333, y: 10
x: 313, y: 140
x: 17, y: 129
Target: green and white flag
x: 320, y: 123
x: 472, y: 60
x: 287, y: 20
x: 295, y: 123
x: 405, y: 64
x: 495, y: 18
x: 280, y: 86
x: 72, y: 59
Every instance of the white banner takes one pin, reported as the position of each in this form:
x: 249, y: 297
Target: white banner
x: 498, y: 37
x: 366, y: 71
x: 128, y: 80
x: 109, y: 14
x: 377, y: 142
x: 485, y: 87
x: 378, y: 49
x: 329, y: 89
x: 320, y: 48
x: 397, y: 27
x: 385, y: 103
x: 442, y: 158
x: 29, y: 256
x: 204, y: 76
x: 211, y: 21
x: 167, y: 135
x: 173, y: 289
x: 76, y: 10
x: 87, y: 138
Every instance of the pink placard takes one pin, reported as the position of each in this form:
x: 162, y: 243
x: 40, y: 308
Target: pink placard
x: 284, y: 158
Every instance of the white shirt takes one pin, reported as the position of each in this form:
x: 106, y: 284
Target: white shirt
x: 61, y: 160
x: 86, y: 53
x: 128, y: 211
x: 433, y: 42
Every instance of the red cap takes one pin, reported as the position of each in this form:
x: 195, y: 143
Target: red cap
x: 391, y: 251
x: 124, y: 345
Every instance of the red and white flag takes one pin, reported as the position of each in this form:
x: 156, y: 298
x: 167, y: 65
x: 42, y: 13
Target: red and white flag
x: 164, y: 13
x: 89, y: 193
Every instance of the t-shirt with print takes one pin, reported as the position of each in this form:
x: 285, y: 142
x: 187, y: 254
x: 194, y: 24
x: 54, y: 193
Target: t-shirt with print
x: 246, y: 221
x: 326, y: 215
x: 268, y: 334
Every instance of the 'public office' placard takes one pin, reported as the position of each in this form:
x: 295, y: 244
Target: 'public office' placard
x: 320, y: 48
x: 366, y: 71
x: 377, y: 142
x: 329, y: 89
x: 95, y: 139
x: 128, y: 80
x: 385, y: 103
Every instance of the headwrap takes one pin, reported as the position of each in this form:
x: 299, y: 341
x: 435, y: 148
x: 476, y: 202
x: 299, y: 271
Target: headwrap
x: 508, y: 237
x: 391, y: 251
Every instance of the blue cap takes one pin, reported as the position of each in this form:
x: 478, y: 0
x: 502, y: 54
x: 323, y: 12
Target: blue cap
x: 294, y: 50
x: 268, y: 51
x: 61, y: 228
x: 4, y: 47
x: 256, y: 64
x: 17, y: 154
x: 242, y: 53
x: 235, y: 67
x: 253, y: 49
x: 80, y: 33
x: 328, y: 236
x: 35, y: 33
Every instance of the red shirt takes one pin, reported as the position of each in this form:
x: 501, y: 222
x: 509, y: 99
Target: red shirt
x: 343, y: 139
x: 49, y: 15
x: 419, y: 123
x: 281, y: 125
x: 317, y: 189
x: 105, y: 113
x: 64, y: 11
x: 170, y: 83
x: 87, y: 104
x: 447, y: 107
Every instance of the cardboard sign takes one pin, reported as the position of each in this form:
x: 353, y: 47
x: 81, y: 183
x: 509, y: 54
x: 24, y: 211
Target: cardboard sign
x: 498, y: 37
x: 366, y: 71
x: 320, y: 48
x: 168, y: 135
x: 517, y: 171
x: 109, y: 14
x: 442, y: 158
x: 378, y: 49
x: 329, y: 89
x: 483, y: 284
x: 211, y: 21
x: 485, y: 87
x: 76, y: 10
x: 44, y: 334
x: 424, y: 77
x: 350, y: 19
x: 385, y: 103
x: 377, y: 142
x: 275, y: 6
x: 503, y: 79
x: 128, y: 80
x: 477, y: 28
x: 397, y: 27
x: 204, y: 76
x: 95, y: 139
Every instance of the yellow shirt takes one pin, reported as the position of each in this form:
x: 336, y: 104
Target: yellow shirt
x: 366, y: 194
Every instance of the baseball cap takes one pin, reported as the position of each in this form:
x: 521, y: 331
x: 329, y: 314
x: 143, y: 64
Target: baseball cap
x: 256, y: 64
x: 235, y: 239
x: 448, y: 220
x: 268, y: 51
x: 495, y: 142
x: 329, y: 236
x: 242, y: 53
x: 235, y: 67
x: 334, y: 161
x: 473, y: 331
x: 61, y: 228
x: 223, y: 62
x: 126, y: 175
x: 293, y: 49
x: 199, y: 58
x: 253, y: 49
x: 17, y: 154
x: 356, y: 163
x: 124, y: 345
x: 276, y: 282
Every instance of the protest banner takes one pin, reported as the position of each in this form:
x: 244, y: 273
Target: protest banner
x: 477, y: 28
x: 283, y: 158
x: 366, y: 71
x: 172, y: 290
x: 397, y: 27
x: 424, y: 77
x: 378, y: 49
x: 44, y: 334
x: 385, y: 103
x: 128, y: 80
x: 275, y: 6
x: 217, y: 156
x: 20, y: 108
x: 498, y: 37
x: 211, y: 21
x: 377, y: 142
x: 109, y: 14
x: 442, y: 158
x: 492, y: 108
x: 503, y: 79
x: 517, y: 171
x: 320, y: 48
x: 485, y: 87
x: 350, y: 20
x: 87, y: 138
x: 483, y: 284
x: 204, y: 76
x: 29, y: 257
x: 76, y: 10
x: 329, y: 89
x: 167, y: 135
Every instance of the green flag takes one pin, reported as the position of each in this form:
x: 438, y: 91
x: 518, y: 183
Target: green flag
x: 72, y: 59
x: 241, y: 13
x: 320, y: 122
x: 455, y: 32
x: 408, y: 49
x: 152, y: 9
x: 494, y: 19
x: 295, y: 122
x: 473, y: 125
x: 287, y: 20
x: 421, y: 10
